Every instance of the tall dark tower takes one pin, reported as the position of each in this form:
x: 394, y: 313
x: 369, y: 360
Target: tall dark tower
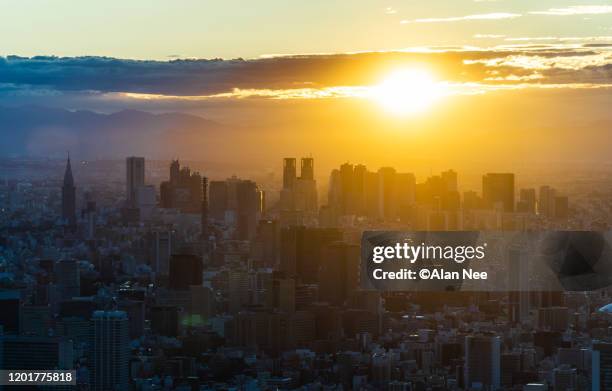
x: 307, y: 169
x: 205, y: 208
x: 69, y: 195
x: 289, y: 172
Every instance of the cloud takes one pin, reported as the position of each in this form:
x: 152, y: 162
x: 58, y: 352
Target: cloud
x: 576, y: 10
x: 488, y: 36
x: 489, y: 16
x: 78, y: 81
x: 390, y: 11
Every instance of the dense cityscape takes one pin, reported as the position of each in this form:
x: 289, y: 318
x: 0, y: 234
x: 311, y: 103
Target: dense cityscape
x: 199, y: 284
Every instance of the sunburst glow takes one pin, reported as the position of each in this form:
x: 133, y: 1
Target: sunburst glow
x: 407, y: 91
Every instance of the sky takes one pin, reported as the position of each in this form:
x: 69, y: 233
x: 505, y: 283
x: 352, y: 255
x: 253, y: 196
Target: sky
x: 155, y: 29
x: 505, y: 78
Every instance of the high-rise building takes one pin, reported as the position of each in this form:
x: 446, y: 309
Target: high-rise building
x: 299, y: 194
x: 482, y: 361
x: 35, y: 352
x: 546, y: 201
x: 161, y: 245
x: 238, y: 203
x: 69, y: 195
x: 307, y: 168
x: 183, y: 190
x: 289, y: 172
x: 527, y: 201
x: 498, y: 191
x: 135, y: 177
x: 204, y: 212
x: 67, y: 277
x: 601, y: 366
x: 185, y: 270
x: 339, y: 273
x: 110, y: 351
x: 301, y: 251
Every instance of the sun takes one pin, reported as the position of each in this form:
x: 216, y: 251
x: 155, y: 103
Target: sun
x: 407, y: 91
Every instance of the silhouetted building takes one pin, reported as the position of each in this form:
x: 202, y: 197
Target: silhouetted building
x: 302, y: 251
x: 69, y: 195
x: 185, y: 270
x: 339, y: 273
x: 238, y: 203
x: 183, y: 191
x: 110, y: 351
x: 482, y: 361
x: 135, y: 177
x: 289, y: 172
x: 498, y: 191
x: 601, y: 372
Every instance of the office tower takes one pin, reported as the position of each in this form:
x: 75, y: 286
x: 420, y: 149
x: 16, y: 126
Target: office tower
x: 482, y: 361
x: 527, y: 199
x: 387, y: 207
x: 265, y: 249
x: 546, y: 201
x: 35, y: 352
x: 510, y: 368
x: 218, y: 198
x: 202, y: 302
x: 10, y: 302
x: 239, y: 290
x: 35, y: 320
x: 301, y: 251
x: 565, y: 378
x: 67, y: 278
x: 135, y: 177
x: 298, y: 197
x: 161, y: 245
x: 165, y: 320
x: 204, y: 212
x: 406, y: 194
x: 305, y: 188
x: 307, y: 168
x: 135, y: 311
x: 498, y: 191
x: 553, y: 318
x: 518, y: 282
x: 183, y: 190
x: 110, y: 351
x: 561, y: 207
x: 339, y: 273
x: 89, y: 216
x: 601, y: 366
x: 185, y: 270
x: 449, y: 178
x: 238, y: 203
x: 289, y: 172
x: 145, y: 201
x: 175, y: 168
x: 248, y: 209
x: 283, y: 294
x: 69, y: 196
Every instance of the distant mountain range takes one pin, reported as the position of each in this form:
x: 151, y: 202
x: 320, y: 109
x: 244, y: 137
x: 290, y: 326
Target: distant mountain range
x: 44, y: 131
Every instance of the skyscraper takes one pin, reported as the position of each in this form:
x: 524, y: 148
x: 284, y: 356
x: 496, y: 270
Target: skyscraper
x: 601, y: 366
x: 204, y: 212
x: 289, y: 173
x: 482, y: 361
x: 498, y: 191
x: 307, y: 169
x: 135, y: 177
x: 110, y: 350
x: 185, y: 270
x: 69, y: 196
